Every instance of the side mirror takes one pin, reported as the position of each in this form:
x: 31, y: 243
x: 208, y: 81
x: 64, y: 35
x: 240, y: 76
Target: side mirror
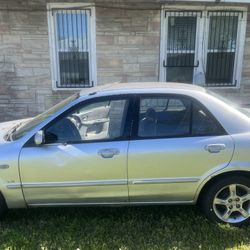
x: 39, y: 137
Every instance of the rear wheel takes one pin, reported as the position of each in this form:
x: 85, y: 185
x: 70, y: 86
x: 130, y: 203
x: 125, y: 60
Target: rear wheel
x: 228, y: 201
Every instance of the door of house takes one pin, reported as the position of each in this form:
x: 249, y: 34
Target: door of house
x: 181, y: 45
x: 202, y: 47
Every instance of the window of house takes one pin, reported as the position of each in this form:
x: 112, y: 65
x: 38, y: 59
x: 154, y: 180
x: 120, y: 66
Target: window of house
x: 72, y: 47
x: 203, y: 47
x: 181, y: 46
x: 175, y: 117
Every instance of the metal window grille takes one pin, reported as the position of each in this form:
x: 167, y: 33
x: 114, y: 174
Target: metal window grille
x: 72, y: 48
x: 181, y: 45
x: 221, y: 51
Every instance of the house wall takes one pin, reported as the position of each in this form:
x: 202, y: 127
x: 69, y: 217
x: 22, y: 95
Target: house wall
x: 25, y: 85
x: 127, y: 43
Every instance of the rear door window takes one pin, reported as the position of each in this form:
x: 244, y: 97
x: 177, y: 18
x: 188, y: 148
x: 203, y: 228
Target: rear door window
x: 175, y: 116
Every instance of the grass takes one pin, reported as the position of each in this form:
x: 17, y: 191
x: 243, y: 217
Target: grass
x: 121, y: 228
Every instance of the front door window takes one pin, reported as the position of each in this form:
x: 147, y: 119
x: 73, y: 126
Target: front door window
x: 101, y: 120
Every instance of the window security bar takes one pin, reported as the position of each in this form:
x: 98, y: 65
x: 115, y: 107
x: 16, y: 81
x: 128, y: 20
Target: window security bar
x: 222, y: 46
x: 72, y: 48
x: 185, y: 65
x: 183, y: 13
x: 181, y: 39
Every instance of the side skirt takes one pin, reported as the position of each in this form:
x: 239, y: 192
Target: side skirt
x: 113, y: 204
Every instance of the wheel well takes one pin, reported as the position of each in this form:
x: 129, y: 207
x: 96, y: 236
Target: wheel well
x: 3, y: 201
x: 217, y: 178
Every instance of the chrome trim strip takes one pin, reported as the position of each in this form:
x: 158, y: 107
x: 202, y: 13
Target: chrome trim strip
x: 14, y: 185
x: 163, y: 180
x: 110, y: 203
x: 73, y: 183
x: 101, y: 183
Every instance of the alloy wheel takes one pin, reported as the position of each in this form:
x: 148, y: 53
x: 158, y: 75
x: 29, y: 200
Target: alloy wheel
x: 231, y: 204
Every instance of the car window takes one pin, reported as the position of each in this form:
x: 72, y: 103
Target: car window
x: 175, y: 117
x: 158, y: 104
x: 175, y: 105
x: 203, y: 123
x: 164, y: 117
x: 102, y: 120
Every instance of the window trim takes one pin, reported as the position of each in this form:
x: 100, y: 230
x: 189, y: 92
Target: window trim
x: 202, y: 28
x: 135, y: 128
x: 54, y: 67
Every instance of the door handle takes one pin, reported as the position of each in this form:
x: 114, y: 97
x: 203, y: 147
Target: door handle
x: 108, y: 152
x: 215, y: 148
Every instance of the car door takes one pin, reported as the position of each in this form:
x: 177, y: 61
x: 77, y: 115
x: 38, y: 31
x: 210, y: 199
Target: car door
x: 176, y: 141
x: 83, y: 159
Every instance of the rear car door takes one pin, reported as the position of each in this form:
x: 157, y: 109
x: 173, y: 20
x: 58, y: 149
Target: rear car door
x: 83, y: 159
x: 176, y: 140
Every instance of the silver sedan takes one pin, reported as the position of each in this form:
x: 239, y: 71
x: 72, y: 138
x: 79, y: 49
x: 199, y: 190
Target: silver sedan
x: 131, y: 144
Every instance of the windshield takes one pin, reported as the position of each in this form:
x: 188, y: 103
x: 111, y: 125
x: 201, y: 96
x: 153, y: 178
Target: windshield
x: 244, y: 111
x: 23, y: 128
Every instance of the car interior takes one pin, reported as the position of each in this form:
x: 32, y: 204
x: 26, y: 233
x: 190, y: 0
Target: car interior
x: 104, y: 120
x: 165, y: 117
x: 175, y: 117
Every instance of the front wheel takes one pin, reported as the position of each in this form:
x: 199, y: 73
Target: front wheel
x: 228, y: 201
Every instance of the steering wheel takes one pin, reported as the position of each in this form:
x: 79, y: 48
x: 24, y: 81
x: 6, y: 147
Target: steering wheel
x: 65, y: 130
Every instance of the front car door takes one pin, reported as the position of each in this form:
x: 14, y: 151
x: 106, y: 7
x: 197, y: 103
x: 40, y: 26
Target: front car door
x: 176, y: 141
x: 83, y: 159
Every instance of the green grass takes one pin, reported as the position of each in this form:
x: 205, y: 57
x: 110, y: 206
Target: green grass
x: 124, y: 228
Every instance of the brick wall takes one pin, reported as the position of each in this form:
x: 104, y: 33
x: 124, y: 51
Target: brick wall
x: 25, y: 84
x: 127, y: 45
x: 127, y: 50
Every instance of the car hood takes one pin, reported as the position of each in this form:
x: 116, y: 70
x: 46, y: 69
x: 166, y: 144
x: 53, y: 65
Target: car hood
x: 6, y: 126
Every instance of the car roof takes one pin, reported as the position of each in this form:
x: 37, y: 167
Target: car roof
x: 141, y: 87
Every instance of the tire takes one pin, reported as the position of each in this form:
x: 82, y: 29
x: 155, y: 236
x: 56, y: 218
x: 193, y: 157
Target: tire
x: 227, y: 200
x: 3, y: 206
